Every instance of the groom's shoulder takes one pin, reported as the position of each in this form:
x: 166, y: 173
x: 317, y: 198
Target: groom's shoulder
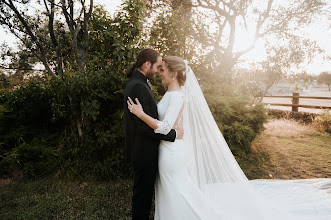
x: 134, y: 82
x: 136, y: 85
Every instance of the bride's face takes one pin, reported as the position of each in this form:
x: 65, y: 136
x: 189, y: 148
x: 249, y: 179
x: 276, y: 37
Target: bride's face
x: 166, y: 75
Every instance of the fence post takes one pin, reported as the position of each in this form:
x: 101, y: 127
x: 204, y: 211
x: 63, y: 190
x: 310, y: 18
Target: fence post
x: 295, y: 100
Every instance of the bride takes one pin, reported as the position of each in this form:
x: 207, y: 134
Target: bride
x: 198, y: 176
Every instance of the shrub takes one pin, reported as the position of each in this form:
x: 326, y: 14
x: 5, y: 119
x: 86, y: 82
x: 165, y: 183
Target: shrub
x: 69, y: 126
x: 238, y: 121
x: 323, y: 121
x: 73, y: 127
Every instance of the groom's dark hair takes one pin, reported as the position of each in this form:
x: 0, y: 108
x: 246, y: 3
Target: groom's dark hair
x: 144, y: 56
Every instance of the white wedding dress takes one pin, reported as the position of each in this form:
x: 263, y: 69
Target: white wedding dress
x: 200, y: 179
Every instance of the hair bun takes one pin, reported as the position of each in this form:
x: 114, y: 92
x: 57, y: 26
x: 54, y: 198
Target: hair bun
x: 177, y: 64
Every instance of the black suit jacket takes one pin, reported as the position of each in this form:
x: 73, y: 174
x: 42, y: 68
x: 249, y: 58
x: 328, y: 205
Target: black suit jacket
x: 142, y: 144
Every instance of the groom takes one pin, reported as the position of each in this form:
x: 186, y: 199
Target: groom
x: 142, y: 144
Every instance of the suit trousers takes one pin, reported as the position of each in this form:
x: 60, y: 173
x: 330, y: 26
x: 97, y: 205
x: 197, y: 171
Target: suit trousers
x: 143, y: 191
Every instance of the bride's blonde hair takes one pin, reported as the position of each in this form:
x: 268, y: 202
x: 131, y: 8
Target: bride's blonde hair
x: 176, y: 64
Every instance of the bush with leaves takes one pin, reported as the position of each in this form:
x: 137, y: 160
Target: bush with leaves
x: 27, y: 132
x: 323, y: 121
x: 45, y: 130
x: 43, y: 138
x: 238, y: 121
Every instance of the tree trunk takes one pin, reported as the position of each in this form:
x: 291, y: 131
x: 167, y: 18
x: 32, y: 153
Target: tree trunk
x: 75, y: 26
x: 266, y: 90
x: 54, y: 40
x: 79, y: 128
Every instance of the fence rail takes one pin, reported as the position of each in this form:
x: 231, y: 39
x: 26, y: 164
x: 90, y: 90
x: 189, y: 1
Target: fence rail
x: 295, y: 101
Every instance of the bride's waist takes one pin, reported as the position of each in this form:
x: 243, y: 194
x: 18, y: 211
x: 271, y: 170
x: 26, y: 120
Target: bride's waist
x: 169, y: 143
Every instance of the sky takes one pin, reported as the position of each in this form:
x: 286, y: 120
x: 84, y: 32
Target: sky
x: 318, y: 31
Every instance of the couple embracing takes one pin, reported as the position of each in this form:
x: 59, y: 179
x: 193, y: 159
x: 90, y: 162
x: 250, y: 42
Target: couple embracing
x: 195, y: 175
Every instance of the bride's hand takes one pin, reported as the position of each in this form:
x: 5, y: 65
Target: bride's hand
x: 136, y: 109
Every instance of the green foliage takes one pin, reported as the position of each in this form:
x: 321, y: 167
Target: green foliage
x: 49, y: 141
x: 238, y: 121
x: 27, y: 134
x: 114, y: 42
x: 73, y: 125
x: 169, y: 34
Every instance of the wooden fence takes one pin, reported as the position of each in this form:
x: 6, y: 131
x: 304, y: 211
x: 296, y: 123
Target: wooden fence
x: 295, y: 101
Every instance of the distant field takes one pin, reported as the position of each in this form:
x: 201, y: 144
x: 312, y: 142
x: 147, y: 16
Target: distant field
x: 320, y: 91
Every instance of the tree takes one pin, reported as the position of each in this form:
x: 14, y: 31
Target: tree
x: 325, y: 78
x: 44, y: 35
x: 271, y: 20
x: 115, y: 42
x: 215, y: 53
x: 82, y: 131
x: 304, y: 76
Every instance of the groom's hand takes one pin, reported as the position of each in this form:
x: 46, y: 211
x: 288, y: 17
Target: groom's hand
x: 179, y: 132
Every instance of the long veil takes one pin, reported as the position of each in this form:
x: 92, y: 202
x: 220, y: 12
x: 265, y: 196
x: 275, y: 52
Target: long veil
x: 210, y: 158
x: 210, y: 162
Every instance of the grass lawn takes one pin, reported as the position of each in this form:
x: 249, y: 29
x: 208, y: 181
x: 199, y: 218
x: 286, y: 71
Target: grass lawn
x: 296, y: 151
x: 292, y: 150
x: 49, y: 198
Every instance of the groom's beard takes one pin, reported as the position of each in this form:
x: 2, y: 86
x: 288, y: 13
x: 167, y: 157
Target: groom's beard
x: 150, y: 75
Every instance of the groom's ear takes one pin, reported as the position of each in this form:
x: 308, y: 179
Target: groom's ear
x: 147, y: 65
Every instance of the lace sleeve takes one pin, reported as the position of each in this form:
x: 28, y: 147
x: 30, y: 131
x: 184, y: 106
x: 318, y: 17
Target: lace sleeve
x: 163, y: 127
x: 175, y: 105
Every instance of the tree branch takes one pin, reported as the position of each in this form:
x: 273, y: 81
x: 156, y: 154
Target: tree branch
x: 257, y: 34
x: 43, y: 58
x: 213, y: 7
x: 288, y: 17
